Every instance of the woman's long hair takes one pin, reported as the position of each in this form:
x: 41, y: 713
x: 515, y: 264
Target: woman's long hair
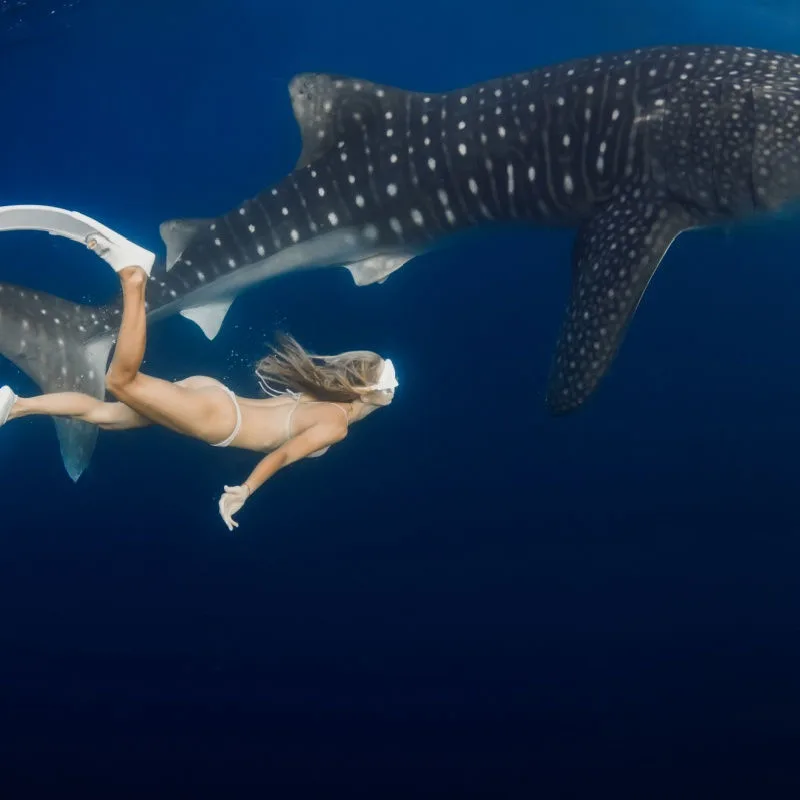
x: 338, y: 379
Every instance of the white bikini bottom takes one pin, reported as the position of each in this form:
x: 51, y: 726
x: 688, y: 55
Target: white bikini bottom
x: 238, y: 425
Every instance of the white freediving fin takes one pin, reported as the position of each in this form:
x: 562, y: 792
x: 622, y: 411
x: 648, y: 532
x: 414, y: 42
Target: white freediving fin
x: 176, y: 235
x: 209, y: 317
x: 377, y: 269
x: 111, y: 246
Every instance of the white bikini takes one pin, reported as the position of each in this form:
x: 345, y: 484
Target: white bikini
x: 227, y: 442
x: 238, y: 426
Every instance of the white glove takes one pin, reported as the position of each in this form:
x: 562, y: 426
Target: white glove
x: 231, y: 502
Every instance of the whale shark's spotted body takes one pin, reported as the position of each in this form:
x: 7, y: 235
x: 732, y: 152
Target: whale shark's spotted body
x: 630, y: 148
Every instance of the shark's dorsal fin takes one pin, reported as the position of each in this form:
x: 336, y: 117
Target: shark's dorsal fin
x: 176, y: 234
x: 326, y: 106
x: 208, y: 318
x: 377, y: 269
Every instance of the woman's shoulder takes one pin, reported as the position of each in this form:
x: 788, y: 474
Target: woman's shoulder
x: 329, y: 414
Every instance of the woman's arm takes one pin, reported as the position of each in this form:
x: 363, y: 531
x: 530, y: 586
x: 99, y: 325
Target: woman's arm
x: 309, y: 441
x: 315, y: 438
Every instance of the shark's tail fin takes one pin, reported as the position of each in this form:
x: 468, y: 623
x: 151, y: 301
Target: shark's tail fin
x: 63, y: 347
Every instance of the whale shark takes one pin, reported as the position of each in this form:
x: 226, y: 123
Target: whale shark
x: 630, y: 148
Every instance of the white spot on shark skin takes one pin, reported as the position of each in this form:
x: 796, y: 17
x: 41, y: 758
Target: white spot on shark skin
x: 531, y: 174
x: 321, y: 191
x: 218, y: 242
x: 463, y: 99
x: 431, y: 164
x: 391, y: 189
x: 251, y: 228
x: 333, y: 219
x: 294, y: 235
x: 510, y: 174
x: 462, y: 148
x: 569, y: 186
x: 370, y: 232
x: 395, y: 225
x: 360, y: 200
x: 417, y: 217
x: 260, y: 250
x: 473, y: 186
x: 242, y: 211
x: 285, y: 211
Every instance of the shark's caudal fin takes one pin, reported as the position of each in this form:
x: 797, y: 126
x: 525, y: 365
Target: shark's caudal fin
x: 63, y: 347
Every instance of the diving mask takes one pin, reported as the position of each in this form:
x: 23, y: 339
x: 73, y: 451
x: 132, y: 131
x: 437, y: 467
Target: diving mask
x: 387, y: 380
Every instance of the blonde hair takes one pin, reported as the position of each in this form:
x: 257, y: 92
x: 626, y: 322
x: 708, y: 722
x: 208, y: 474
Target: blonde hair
x: 342, y: 378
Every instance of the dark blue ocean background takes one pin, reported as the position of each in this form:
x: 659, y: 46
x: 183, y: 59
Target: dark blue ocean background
x: 467, y: 598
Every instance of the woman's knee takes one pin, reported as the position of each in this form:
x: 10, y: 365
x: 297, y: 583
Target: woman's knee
x: 116, y: 382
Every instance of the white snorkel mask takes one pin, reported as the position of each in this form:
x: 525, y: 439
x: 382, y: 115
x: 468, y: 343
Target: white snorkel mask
x: 387, y: 380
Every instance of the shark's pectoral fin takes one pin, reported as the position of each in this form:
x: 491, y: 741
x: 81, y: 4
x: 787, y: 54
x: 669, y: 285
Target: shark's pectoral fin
x: 176, y: 235
x: 616, y: 254
x: 376, y: 269
x: 209, y: 317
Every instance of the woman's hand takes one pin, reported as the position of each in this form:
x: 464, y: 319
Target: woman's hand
x: 231, y: 502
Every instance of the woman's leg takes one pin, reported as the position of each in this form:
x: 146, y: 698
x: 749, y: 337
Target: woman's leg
x: 109, y: 416
x: 207, y: 414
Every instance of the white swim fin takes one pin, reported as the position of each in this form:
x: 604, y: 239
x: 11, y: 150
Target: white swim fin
x: 7, y: 400
x: 111, y: 246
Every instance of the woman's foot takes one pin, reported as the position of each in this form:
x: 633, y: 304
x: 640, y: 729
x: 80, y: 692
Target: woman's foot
x: 133, y: 276
x: 7, y: 400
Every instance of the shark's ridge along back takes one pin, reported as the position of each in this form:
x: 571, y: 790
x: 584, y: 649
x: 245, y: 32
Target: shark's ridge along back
x: 630, y: 148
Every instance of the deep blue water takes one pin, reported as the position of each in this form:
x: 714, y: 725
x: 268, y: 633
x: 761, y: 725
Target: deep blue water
x: 467, y: 598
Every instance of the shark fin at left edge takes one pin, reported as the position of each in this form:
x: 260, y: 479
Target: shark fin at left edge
x: 616, y: 254
x: 208, y: 317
